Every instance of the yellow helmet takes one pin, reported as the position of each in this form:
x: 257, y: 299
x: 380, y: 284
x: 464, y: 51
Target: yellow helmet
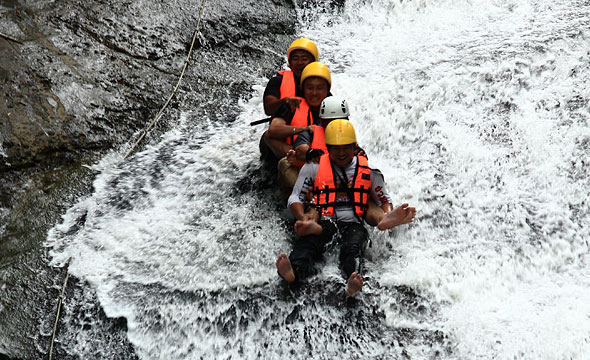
x: 340, y: 132
x: 317, y: 69
x: 304, y: 44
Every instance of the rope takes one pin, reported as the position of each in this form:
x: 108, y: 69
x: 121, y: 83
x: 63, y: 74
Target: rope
x: 60, y: 300
x: 63, y: 289
x: 157, y: 117
x: 11, y: 38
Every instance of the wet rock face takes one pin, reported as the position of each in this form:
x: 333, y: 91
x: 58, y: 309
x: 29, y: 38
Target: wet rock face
x: 90, y: 74
x: 86, y: 78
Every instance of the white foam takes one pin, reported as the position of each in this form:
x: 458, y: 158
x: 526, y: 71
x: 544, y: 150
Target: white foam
x: 468, y: 108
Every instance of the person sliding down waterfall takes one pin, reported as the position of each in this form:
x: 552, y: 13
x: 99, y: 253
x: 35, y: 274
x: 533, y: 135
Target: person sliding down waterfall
x: 341, y: 184
x: 283, y: 96
x: 310, y: 146
x: 284, y: 89
x: 315, y: 81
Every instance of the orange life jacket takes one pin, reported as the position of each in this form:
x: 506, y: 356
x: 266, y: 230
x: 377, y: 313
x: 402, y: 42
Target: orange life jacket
x: 319, y: 139
x: 325, y: 191
x: 302, y: 117
x: 287, y: 84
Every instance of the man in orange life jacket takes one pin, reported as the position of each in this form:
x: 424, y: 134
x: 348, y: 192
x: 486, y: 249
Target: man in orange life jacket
x: 331, y: 108
x: 283, y: 131
x: 284, y: 93
x: 341, y: 183
x: 310, y: 147
x: 284, y: 88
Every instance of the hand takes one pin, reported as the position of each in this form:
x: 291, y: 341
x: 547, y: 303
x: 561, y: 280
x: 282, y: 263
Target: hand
x: 293, y: 103
x: 310, y: 214
x: 313, y: 155
x: 309, y: 195
x: 359, y: 151
x: 307, y: 217
x: 310, y: 128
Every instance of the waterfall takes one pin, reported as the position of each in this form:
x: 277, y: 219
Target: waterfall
x: 477, y: 114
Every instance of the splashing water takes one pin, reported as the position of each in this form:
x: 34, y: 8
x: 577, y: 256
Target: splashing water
x: 477, y: 114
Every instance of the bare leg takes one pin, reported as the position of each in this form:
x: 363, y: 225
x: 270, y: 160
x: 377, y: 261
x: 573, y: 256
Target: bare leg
x: 307, y: 227
x: 278, y: 147
x: 287, y: 176
x: 403, y: 214
x: 354, y: 284
x: 284, y: 268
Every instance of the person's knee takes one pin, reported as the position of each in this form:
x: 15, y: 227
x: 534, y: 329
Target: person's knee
x: 328, y: 229
x: 301, y: 150
x: 283, y: 165
x: 355, y: 233
x: 351, y: 248
x: 301, y: 257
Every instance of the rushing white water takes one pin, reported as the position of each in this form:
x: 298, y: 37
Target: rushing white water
x: 478, y: 114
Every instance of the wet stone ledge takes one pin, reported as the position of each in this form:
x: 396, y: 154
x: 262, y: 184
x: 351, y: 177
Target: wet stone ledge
x: 82, y: 80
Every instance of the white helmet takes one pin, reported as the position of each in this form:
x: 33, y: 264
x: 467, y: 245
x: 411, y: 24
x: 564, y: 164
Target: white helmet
x: 334, y: 107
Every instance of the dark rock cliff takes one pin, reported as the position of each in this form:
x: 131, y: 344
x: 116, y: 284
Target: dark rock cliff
x: 83, y: 79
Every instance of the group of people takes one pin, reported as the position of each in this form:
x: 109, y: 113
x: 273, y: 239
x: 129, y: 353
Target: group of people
x: 333, y: 188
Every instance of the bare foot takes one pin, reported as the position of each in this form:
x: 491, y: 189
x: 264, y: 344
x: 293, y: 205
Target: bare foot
x: 354, y: 284
x: 307, y: 227
x: 403, y: 214
x: 284, y: 268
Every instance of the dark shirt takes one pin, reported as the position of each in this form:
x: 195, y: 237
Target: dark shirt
x: 304, y: 138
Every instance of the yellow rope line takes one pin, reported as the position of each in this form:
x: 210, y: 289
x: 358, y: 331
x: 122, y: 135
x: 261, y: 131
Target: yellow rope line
x: 157, y: 117
x: 61, y: 296
x: 10, y: 38
x: 63, y: 289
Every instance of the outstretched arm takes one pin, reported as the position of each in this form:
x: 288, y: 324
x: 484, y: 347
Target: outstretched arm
x: 298, y: 196
x: 279, y: 129
x: 272, y: 104
x: 297, y: 210
x: 307, y: 222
